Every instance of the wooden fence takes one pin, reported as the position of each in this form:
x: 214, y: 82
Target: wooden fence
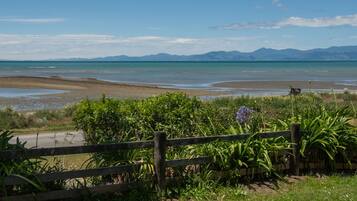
x: 159, y: 143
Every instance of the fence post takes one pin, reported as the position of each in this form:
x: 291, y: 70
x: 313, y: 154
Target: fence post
x: 159, y: 158
x: 295, y: 139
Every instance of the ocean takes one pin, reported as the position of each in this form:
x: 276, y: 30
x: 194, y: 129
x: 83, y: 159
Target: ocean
x: 188, y: 75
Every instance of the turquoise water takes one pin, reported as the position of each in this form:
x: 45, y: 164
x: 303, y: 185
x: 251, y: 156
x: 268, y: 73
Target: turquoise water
x: 188, y: 74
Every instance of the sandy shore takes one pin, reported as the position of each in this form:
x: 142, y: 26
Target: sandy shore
x: 77, y: 90
x: 284, y: 85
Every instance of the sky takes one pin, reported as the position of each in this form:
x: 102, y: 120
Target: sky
x: 37, y: 29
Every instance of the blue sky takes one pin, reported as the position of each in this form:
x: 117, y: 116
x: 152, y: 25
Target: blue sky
x: 37, y: 29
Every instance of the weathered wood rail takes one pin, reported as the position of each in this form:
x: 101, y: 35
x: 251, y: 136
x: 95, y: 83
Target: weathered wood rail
x: 159, y: 144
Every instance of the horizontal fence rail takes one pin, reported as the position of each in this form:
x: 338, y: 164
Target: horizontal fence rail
x: 13, y: 180
x: 13, y: 154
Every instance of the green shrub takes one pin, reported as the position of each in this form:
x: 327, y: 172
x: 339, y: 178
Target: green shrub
x: 25, y: 169
x: 10, y: 119
x: 325, y: 126
x: 325, y: 130
x: 103, y: 121
x: 21, y: 167
x: 329, y: 132
x: 173, y: 113
x: 250, y: 153
x: 68, y: 110
x: 110, y: 120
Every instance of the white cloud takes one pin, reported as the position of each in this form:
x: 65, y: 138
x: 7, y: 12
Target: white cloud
x: 31, y: 20
x: 27, y: 46
x: 346, y: 20
x: 183, y: 41
x: 277, y: 3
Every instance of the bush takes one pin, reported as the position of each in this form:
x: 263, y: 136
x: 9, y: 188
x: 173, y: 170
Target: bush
x: 10, y: 119
x: 21, y: 167
x: 327, y: 131
x: 253, y: 152
x: 25, y: 169
x: 173, y: 113
x: 110, y: 120
x: 107, y: 120
x: 325, y: 126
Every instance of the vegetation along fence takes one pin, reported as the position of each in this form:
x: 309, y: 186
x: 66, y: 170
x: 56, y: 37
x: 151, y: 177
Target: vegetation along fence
x: 160, y: 143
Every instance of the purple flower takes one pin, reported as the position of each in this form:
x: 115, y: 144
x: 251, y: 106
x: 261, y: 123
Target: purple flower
x: 243, y: 114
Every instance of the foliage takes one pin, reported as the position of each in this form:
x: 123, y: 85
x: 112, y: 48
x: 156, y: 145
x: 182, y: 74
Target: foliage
x: 103, y: 121
x: 197, y: 185
x: 20, y: 167
x: 173, y: 113
x: 109, y: 120
x: 251, y: 153
x: 327, y: 131
x: 24, y: 168
x: 325, y: 126
x: 11, y: 119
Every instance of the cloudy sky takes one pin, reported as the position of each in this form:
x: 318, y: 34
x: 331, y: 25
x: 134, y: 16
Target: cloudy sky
x: 37, y: 29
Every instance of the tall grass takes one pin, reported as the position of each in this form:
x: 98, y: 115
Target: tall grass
x: 25, y: 169
x: 11, y: 119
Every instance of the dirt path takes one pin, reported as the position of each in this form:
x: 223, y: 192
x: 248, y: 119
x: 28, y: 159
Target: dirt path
x: 52, y: 139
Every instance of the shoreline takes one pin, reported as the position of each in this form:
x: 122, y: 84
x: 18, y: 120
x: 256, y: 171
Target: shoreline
x: 78, y: 89
x: 304, y: 85
x: 75, y: 90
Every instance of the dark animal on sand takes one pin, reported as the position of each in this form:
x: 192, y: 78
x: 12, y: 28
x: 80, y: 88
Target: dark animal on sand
x: 294, y: 91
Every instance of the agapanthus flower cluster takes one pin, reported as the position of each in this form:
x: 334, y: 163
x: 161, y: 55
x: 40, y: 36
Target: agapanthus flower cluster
x: 243, y: 115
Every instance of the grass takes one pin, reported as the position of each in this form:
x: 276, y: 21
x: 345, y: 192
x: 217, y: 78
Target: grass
x: 274, y: 107
x: 69, y: 162
x: 334, y: 188
x: 33, y: 121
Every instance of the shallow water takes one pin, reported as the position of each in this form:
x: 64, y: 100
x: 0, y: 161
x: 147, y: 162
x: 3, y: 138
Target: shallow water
x: 28, y: 93
x: 185, y: 75
x: 189, y: 74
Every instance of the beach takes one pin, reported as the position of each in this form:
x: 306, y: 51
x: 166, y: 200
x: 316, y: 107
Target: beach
x: 75, y: 90
x: 68, y: 91
x: 305, y: 85
x: 33, y: 85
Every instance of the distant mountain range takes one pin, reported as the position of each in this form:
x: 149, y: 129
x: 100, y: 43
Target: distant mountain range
x: 263, y: 54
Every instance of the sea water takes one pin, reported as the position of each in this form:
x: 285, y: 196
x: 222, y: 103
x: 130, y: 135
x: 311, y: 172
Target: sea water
x: 29, y: 93
x: 188, y: 75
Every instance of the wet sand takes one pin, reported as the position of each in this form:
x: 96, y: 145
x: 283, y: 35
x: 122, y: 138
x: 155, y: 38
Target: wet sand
x: 305, y: 85
x: 78, y: 89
